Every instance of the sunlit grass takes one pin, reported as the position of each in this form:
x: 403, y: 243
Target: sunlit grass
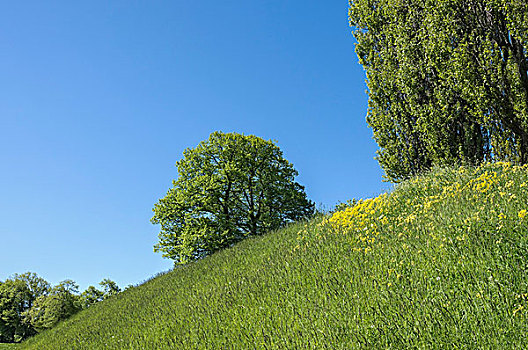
x: 8, y: 346
x: 440, y: 262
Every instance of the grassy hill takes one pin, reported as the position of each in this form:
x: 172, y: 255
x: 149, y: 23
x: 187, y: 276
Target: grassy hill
x: 440, y: 262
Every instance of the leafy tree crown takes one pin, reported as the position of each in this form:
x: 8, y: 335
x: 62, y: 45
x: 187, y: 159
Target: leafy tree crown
x: 229, y: 187
x: 447, y: 80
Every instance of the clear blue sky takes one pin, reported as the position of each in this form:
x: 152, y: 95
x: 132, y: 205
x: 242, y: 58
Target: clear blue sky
x: 98, y: 100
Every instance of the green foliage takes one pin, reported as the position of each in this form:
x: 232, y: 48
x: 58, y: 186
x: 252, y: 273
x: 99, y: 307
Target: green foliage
x: 110, y: 288
x: 440, y: 265
x: 93, y: 295
x: 14, y: 300
x: 229, y: 187
x: 61, y: 302
x: 37, y: 285
x: 447, y: 80
x: 28, y: 304
x: 17, y: 296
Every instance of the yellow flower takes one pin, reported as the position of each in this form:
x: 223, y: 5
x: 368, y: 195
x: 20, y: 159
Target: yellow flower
x: 518, y: 309
x: 522, y: 214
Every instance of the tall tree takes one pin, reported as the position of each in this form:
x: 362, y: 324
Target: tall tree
x: 229, y: 187
x: 448, y: 80
x: 17, y: 296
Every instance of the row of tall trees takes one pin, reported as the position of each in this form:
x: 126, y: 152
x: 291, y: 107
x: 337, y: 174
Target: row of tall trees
x: 447, y: 80
x: 29, y: 304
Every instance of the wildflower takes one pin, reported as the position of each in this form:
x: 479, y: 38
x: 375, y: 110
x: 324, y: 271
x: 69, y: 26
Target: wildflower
x: 518, y: 309
x: 522, y: 214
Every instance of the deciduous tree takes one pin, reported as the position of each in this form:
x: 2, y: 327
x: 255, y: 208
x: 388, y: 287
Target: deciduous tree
x: 447, y: 80
x: 229, y: 187
x: 60, y: 303
x: 17, y: 296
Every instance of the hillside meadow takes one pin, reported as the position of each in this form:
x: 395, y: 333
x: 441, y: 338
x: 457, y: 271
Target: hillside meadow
x: 439, y: 262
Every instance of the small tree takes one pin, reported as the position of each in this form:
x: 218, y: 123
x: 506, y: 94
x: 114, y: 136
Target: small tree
x: 93, y: 295
x: 229, y: 187
x: 61, y: 302
x: 110, y: 288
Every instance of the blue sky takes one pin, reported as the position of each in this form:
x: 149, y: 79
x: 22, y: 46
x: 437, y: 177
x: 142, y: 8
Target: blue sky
x: 98, y: 100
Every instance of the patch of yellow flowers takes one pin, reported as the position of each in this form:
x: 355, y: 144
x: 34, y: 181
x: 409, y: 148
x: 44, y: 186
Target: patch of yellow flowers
x: 364, y: 219
x: 367, y: 220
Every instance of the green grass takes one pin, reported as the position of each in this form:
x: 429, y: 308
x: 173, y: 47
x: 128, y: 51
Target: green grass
x: 440, y: 262
x: 8, y: 346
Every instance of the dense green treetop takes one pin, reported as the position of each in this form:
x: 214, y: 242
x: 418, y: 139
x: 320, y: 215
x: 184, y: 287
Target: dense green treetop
x: 61, y: 302
x: 229, y: 187
x: 18, y: 294
x: 447, y: 80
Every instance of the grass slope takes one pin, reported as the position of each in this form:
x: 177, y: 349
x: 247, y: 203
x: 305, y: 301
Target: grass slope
x: 4, y: 346
x: 440, y: 262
